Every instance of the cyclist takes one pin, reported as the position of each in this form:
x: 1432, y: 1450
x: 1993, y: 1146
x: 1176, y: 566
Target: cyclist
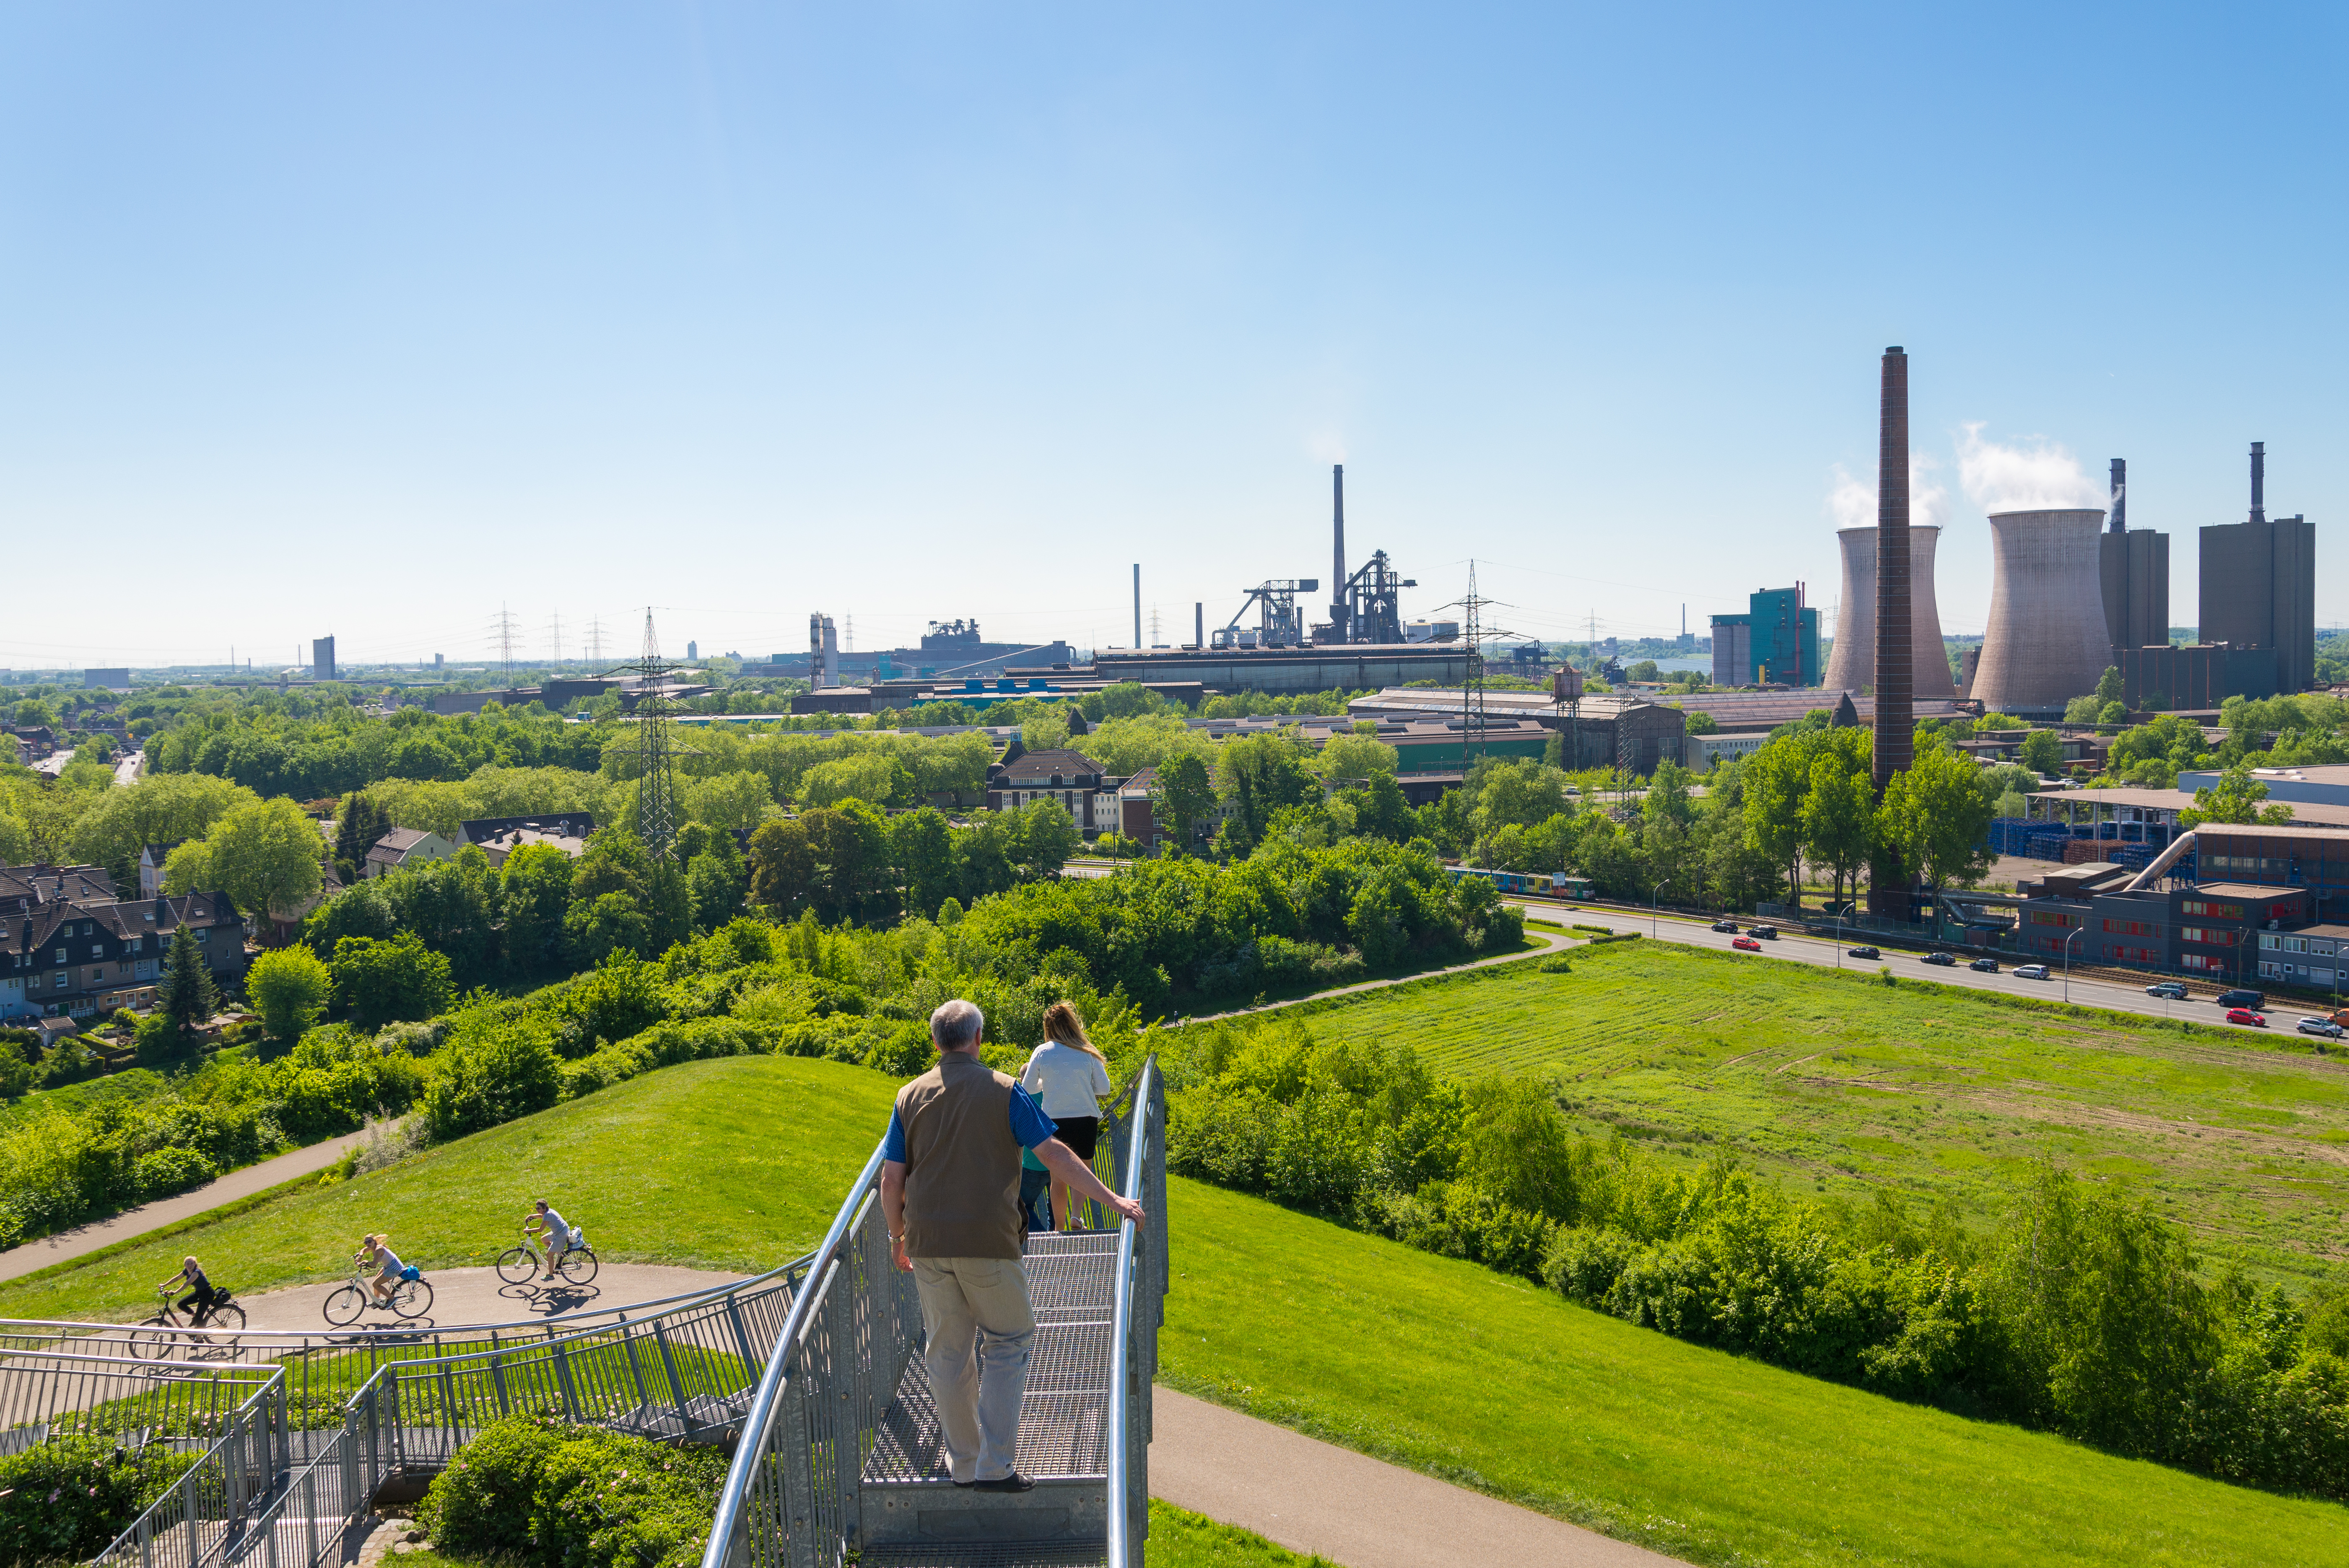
x: 200, y: 1294
x: 553, y: 1234
x: 376, y: 1250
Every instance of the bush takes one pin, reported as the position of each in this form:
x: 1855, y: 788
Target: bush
x: 534, y: 1489
x: 490, y: 1075
x: 170, y: 1171
x: 65, y: 1499
x: 289, y: 987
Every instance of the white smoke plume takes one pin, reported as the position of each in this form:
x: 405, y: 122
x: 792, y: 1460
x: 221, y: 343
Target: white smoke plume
x: 1852, y: 501
x: 2032, y: 475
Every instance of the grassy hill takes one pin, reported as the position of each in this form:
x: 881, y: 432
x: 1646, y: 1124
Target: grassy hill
x: 1428, y: 1361
x: 1837, y: 1083
x: 738, y: 1163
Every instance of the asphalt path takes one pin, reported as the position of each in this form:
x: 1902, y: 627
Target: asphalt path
x: 1825, y: 953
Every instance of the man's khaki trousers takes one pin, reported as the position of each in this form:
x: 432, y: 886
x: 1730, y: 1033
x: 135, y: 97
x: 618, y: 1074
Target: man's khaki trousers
x: 977, y: 1304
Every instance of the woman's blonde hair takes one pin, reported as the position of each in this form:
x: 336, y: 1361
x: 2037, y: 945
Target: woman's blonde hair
x: 1062, y: 1026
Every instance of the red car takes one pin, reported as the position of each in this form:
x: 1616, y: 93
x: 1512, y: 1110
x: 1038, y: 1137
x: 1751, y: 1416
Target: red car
x: 1747, y: 944
x: 2245, y: 1015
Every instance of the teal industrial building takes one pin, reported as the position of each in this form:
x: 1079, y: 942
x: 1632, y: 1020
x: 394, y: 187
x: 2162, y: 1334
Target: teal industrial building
x: 1775, y: 642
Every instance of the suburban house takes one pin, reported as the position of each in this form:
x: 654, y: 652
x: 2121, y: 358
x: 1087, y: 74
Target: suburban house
x: 498, y: 846
x: 24, y: 887
x: 151, y: 868
x: 499, y: 837
x: 405, y: 846
x: 73, y: 958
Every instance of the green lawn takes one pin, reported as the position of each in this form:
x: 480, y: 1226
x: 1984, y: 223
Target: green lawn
x: 1498, y: 1385
x: 732, y: 1164
x: 1834, y: 1083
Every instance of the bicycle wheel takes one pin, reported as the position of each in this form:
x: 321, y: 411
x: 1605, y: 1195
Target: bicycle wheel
x: 153, y: 1340
x: 343, y: 1308
x: 579, y: 1265
x: 516, y: 1265
x: 412, y: 1298
x: 228, y: 1317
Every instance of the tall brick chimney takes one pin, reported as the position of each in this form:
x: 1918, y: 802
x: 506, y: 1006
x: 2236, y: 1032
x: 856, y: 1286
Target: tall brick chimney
x: 1896, y: 722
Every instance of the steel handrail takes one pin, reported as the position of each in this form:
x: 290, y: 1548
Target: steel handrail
x: 1122, y: 1319
x: 750, y: 1445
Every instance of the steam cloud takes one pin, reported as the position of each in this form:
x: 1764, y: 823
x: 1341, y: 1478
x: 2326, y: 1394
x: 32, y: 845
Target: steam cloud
x: 1852, y: 501
x: 2032, y: 475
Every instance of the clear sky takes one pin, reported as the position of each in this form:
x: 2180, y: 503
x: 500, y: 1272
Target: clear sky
x: 370, y: 320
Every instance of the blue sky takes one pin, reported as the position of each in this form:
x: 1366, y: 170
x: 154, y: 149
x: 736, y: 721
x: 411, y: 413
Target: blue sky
x: 370, y: 320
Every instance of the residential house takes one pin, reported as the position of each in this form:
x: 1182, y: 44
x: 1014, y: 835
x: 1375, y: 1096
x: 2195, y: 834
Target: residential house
x: 151, y: 868
x: 403, y: 848
x: 1069, y: 779
x: 499, y: 837
x: 74, y: 958
x: 498, y: 846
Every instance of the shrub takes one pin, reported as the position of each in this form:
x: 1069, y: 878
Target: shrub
x: 65, y: 1499
x: 533, y: 1490
x: 289, y: 987
x: 169, y: 1170
x: 491, y: 1073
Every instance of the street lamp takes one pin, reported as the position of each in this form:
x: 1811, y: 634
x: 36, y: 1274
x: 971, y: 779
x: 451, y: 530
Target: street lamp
x: 1654, y: 904
x: 2075, y: 937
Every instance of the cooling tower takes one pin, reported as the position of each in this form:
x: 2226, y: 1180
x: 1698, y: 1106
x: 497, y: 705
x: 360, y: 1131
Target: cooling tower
x: 2047, y: 641
x: 1852, y: 664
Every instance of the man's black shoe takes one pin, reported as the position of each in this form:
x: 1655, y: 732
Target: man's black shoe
x: 1015, y: 1481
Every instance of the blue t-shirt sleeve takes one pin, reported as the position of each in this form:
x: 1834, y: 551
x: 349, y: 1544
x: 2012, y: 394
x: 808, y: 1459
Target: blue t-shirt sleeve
x: 892, y: 1147
x: 1030, y: 1125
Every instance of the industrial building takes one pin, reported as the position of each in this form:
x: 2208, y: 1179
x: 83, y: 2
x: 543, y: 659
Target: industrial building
x: 1851, y: 662
x: 950, y: 649
x: 2133, y: 571
x: 2176, y: 677
x: 1775, y: 642
x: 2320, y: 784
x: 2048, y: 641
x: 2258, y: 585
x: 1277, y: 670
x: 1605, y: 730
x: 322, y: 657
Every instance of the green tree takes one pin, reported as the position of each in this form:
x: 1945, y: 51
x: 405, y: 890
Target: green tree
x: 1382, y: 812
x: 360, y: 823
x: 1260, y: 774
x: 161, y: 809
x: 611, y: 923
x: 669, y: 908
x: 855, y: 878
x: 923, y: 848
x: 379, y: 982
x: 1778, y: 780
x: 289, y: 987
x: 1359, y: 757
x: 739, y: 799
x: 1182, y: 797
x: 1518, y: 791
x: 2042, y: 752
x: 716, y: 873
x: 533, y: 895
x: 1042, y: 838
x: 266, y: 856
x: 187, y: 998
x: 1839, y: 818
x: 1935, y: 817
x: 2109, y: 687
x: 782, y: 868
x: 2236, y: 797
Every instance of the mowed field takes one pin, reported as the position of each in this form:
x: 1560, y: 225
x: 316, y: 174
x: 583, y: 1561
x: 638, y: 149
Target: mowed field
x: 1837, y: 1083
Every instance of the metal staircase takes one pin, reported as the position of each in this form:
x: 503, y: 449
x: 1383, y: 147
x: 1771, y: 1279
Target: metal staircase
x: 840, y: 1448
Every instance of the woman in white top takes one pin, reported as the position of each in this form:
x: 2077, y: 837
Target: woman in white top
x: 1069, y: 1079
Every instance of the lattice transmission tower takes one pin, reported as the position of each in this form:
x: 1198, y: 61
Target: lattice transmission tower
x: 502, y: 632
x: 594, y: 641
x: 656, y: 749
x: 1474, y: 633
x: 557, y: 636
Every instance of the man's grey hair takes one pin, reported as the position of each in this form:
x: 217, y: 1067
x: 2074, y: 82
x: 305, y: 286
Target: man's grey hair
x: 955, y: 1026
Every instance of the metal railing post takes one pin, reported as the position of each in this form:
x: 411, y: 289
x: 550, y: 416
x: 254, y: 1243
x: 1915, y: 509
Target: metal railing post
x: 676, y: 1388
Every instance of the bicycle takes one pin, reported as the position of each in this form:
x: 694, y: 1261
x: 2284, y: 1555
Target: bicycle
x: 517, y: 1264
x: 155, y: 1338
x: 412, y: 1297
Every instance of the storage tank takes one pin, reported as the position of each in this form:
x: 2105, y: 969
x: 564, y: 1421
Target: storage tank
x: 1851, y: 663
x: 2047, y: 640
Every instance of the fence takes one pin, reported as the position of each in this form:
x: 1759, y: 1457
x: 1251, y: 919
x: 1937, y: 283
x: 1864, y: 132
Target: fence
x: 201, y: 1517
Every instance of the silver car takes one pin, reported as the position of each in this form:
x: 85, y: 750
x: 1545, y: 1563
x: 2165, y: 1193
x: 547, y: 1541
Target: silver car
x: 2325, y: 1026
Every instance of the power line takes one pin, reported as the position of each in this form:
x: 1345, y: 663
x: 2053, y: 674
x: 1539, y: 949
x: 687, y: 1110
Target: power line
x: 502, y: 633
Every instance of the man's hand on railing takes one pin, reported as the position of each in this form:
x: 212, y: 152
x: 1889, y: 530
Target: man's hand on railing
x: 1131, y: 1209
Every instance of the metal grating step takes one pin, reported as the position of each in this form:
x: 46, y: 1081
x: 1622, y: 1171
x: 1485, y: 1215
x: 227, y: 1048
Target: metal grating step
x: 988, y: 1554
x: 1063, y: 1419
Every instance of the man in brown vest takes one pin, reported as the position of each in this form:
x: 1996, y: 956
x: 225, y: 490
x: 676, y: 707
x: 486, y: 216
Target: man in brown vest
x: 950, y: 1197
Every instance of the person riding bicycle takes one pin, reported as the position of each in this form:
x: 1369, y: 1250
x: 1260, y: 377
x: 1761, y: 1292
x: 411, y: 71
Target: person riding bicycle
x: 555, y: 1234
x: 200, y: 1294
x: 376, y: 1250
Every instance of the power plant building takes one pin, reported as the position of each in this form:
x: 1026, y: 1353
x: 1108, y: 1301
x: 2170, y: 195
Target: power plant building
x: 2133, y: 570
x: 322, y: 657
x: 2258, y: 585
x: 1775, y: 642
x: 1851, y: 663
x: 2048, y: 639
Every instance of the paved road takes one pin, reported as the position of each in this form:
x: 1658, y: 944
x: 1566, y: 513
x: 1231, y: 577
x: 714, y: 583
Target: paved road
x: 464, y: 1297
x: 67, y: 1244
x: 1311, y: 1496
x: 126, y: 772
x: 1829, y: 954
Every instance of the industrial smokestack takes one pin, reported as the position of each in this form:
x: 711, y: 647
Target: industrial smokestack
x: 2258, y: 482
x: 1198, y: 623
x: 2119, y: 524
x: 1337, y: 551
x: 1896, y: 722
x: 1137, y: 606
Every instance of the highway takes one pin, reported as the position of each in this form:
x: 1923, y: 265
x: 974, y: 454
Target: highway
x: 1825, y: 954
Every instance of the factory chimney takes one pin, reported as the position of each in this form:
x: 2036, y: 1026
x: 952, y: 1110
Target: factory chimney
x: 1896, y: 722
x: 1338, y: 552
x: 2258, y: 482
x: 1137, y: 606
x: 1198, y: 623
x: 2120, y: 495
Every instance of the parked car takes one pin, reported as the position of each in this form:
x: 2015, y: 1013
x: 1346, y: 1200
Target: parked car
x: 2325, y: 1026
x: 1862, y: 952
x: 1984, y: 965
x: 1729, y: 926
x: 1746, y: 944
x: 2245, y: 1015
x: 2255, y: 1000
x: 2030, y: 971
x: 2168, y: 988
x: 1944, y: 959
x: 1767, y: 933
